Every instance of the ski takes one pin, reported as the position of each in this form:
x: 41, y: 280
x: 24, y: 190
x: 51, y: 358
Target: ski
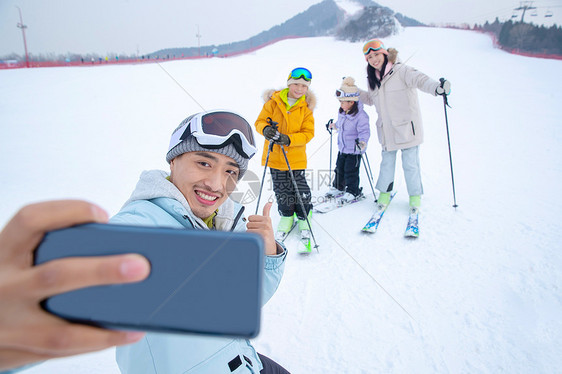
x: 328, y: 195
x: 326, y: 201
x: 412, y: 229
x: 335, y: 203
x: 373, y: 223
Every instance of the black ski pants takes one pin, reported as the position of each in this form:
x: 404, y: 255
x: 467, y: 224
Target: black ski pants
x: 287, y: 200
x: 347, y: 173
x: 270, y: 366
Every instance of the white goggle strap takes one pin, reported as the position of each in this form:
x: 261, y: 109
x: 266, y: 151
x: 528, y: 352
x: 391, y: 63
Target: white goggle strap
x: 176, y: 136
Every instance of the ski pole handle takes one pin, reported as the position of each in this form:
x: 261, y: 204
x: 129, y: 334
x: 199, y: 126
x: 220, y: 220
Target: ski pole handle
x: 328, y: 125
x: 272, y: 123
x: 445, y: 100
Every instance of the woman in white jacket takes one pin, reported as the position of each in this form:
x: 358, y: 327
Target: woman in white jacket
x: 393, y: 91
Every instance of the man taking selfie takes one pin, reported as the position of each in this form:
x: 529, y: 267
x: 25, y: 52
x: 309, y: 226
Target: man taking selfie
x: 208, y: 154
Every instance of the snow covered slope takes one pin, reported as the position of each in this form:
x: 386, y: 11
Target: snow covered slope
x: 478, y: 292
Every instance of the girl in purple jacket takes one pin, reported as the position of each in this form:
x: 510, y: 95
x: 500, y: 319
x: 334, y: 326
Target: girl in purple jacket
x: 353, y: 134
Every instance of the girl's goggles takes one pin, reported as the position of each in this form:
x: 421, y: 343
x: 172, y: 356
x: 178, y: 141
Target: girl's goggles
x: 216, y: 129
x: 372, y: 45
x: 299, y: 73
x: 340, y: 93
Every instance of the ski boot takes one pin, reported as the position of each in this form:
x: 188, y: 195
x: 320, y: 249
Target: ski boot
x: 333, y: 192
x: 304, y: 227
x: 285, y: 226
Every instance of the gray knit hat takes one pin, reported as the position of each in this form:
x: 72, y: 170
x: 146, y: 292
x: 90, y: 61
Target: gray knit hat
x: 190, y: 144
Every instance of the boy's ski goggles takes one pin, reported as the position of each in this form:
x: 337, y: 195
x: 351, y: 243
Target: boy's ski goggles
x: 373, y: 45
x: 216, y: 129
x: 340, y: 93
x: 301, y: 73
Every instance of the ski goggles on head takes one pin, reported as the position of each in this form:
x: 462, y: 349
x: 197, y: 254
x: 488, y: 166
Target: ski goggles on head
x: 301, y: 73
x: 372, y: 45
x: 216, y: 129
x: 340, y: 93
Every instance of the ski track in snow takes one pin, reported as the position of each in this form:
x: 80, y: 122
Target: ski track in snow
x: 477, y: 292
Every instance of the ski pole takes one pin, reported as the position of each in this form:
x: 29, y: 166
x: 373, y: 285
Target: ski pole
x: 370, y: 171
x: 445, y: 105
x: 330, y: 169
x: 298, y: 195
x: 263, y: 177
x: 369, y: 165
x: 269, y: 149
x: 369, y: 175
x: 372, y: 178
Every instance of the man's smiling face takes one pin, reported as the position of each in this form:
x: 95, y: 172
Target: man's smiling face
x: 206, y: 179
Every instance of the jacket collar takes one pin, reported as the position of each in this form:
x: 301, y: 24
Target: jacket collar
x: 154, y: 186
x: 284, y: 96
x: 387, y: 69
x: 309, y: 98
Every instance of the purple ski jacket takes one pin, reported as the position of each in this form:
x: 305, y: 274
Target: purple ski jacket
x: 351, y: 127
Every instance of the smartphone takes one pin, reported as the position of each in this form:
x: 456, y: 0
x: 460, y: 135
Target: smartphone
x: 204, y: 282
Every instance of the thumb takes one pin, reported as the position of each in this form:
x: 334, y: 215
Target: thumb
x: 267, y: 208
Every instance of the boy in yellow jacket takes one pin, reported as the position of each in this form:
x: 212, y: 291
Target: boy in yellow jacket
x: 292, y: 109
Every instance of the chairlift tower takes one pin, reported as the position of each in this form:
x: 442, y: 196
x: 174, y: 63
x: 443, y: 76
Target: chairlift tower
x: 21, y: 26
x: 525, y: 6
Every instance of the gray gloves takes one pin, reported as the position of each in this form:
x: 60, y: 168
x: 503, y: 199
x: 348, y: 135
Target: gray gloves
x: 275, y: 136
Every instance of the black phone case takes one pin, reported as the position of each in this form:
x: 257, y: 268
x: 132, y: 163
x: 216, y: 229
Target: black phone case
x: 207, y: 282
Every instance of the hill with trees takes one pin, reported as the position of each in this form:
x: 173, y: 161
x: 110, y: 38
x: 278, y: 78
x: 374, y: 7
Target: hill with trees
x: 525, y: 37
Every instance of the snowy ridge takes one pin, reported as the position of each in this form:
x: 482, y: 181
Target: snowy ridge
x: 350, y: 7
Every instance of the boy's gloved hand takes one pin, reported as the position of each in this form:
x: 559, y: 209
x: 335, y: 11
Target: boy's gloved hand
x: 270, y: 133
x: 444, y: 88
x: 275, y: 136
x: 283, y: 140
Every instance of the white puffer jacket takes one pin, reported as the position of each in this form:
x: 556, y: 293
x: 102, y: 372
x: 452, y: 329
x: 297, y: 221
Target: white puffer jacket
x: 399, y: 123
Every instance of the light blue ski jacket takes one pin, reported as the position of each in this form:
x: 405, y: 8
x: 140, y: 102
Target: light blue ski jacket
x: 157, y: 202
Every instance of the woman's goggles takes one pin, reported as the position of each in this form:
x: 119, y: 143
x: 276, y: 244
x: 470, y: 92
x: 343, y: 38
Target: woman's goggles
x: 340, y: 93
x: 299, y: 73
x: 372, y: 45
x: 216, y: 129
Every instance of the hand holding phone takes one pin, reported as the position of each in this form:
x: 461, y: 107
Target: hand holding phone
x: 201, y: 281
x: 29, y: 334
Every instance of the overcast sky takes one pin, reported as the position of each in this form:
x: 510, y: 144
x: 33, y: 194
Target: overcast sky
x: 144, y: 26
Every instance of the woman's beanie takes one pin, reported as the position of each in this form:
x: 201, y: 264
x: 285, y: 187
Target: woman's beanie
x: 348, y: 90
x: 190, y: 144
x: 374, y: 43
